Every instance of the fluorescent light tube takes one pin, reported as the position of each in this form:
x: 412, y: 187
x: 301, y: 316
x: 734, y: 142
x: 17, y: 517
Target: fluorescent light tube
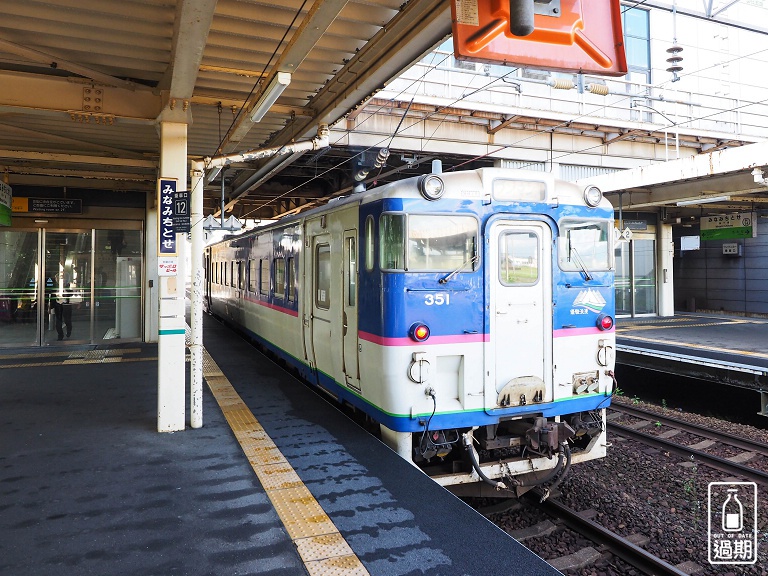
x: 272, y: 93
x: 703, y: 200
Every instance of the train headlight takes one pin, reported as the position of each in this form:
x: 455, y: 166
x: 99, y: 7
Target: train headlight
x: 592, y: 196
x: 431, y: 187
x: 604, y: 322
x: 419, y: 332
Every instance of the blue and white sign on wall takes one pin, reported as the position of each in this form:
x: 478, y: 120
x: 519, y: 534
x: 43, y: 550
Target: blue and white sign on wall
x: 166, y: 235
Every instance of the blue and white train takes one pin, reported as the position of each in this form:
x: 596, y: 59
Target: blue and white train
x: 468, y: 315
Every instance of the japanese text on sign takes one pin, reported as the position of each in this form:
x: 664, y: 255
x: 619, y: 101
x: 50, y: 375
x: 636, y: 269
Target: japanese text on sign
x: 181, y: 212
x: 167, y: 266
x: 166, y: 238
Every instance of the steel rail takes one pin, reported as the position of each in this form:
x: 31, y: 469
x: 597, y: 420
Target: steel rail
x: 742, y: 443
x: 619, y: 546
x: 712, y: 461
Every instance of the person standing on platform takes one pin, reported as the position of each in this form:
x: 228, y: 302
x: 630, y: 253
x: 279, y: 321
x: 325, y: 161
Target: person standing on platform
x: 62, y: 309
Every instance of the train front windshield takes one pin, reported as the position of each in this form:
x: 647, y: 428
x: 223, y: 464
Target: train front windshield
x: 428, y: 243
x: 585, y: 244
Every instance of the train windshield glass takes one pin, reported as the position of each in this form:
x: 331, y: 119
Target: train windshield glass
x: 585, y: 246
x: 428, y: 243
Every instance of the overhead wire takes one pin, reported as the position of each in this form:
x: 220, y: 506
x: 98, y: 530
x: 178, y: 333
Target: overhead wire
x: 388, y: 137
x: 536, y: 133
x: 261, y: 75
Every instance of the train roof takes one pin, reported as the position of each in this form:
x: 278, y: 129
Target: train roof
x: 464, y: 185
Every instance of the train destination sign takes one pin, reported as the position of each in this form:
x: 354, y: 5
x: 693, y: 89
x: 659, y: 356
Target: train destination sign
x: 728, y: 226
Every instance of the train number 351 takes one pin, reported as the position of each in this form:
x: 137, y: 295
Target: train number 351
x: 437, y: 299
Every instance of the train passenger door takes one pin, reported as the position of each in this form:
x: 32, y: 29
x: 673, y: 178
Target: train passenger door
x: 320, y: 324
x: 520, y: 350
x: 350, y: 363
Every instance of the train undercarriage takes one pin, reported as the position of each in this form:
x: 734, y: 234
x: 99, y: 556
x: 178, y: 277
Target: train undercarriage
x: 512, y: 456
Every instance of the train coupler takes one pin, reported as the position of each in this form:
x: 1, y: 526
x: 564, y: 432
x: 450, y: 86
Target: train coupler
x: 545, y: 437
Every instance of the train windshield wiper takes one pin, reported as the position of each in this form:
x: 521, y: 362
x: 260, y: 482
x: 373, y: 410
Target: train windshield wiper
x: 446, y: 279
x: 580, y: 262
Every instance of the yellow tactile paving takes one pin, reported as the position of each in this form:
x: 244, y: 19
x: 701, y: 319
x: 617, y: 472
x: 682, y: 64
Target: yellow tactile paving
x: 702, y: 347
x: 338, y: 566
x: 655, y: 326
x: 276, y: 476
x: 300, y: 513
x: 75, y: 362
x: 320, y: 545
x: 68, y: 353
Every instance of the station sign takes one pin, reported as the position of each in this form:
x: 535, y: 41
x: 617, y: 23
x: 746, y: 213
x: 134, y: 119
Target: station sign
x: 166, y: 235
x: 6, y: 199
x: 728, y: 226
x: 576, y: 36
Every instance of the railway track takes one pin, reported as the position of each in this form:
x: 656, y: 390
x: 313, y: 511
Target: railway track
x: 665, y: 443
x: 617, y: 545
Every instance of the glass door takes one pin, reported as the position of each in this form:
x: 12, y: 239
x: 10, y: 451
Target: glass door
x: 636, y: 276
x: 117, y: 284
x: 66, y: 288
x: 76, y: 286
x: 19, y: 251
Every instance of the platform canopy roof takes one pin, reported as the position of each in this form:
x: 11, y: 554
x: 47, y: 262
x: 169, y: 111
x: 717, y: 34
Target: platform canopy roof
x: 734, y: 179
x: 84, y: 83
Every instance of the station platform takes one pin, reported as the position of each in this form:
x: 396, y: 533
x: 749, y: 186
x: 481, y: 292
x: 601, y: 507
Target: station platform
x: 726, y: 349
x: 276, y: 482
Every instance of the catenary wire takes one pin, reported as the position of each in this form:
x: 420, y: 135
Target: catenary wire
x: 528, y: 137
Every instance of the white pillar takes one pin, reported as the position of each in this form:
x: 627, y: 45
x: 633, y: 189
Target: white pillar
x: 171, y: 369
x: 151, y: 305
x: 196, y: 263
x: 665, y: 279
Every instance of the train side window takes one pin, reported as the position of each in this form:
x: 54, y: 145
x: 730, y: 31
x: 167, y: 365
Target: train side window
x: 350, y: 265
x: 264, y: 284
x: 224, y: 273
x: 232, y: 274
x: 323, y: 276
x: 240, y: 283
x: 369, y: 243
x: 290, y: 279
x: 252, y: 275
x: 519, y: 258
x: 280, y: 277
x: 392, y: 241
